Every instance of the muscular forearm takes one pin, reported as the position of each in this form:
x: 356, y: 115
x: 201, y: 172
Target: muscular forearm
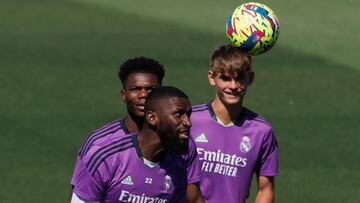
x: 266, y: 193
x: 266, y: 196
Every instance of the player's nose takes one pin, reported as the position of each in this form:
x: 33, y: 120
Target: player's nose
x: 186, y: 121
x: 144, y: 92
x: 234, y: 84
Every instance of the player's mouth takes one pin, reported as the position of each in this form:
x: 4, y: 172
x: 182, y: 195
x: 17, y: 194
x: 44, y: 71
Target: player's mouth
x: 183, y: 134
x: 233, y: 93
x: 140, y: 107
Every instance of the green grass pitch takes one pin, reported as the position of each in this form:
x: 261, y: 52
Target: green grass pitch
x: 58, y: 65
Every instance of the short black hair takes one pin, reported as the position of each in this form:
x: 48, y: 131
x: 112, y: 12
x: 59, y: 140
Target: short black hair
x: 162, y: 93
x: 143, y: 65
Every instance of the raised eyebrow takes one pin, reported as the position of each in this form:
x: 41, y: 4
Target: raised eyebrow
x: 224, y: 75
x: 132, y: 87
x: 180, y: 110
x: 150, y: 87
x: 143, y: 87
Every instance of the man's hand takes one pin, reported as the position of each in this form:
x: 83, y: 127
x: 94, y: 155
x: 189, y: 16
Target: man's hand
x: 193, y: 194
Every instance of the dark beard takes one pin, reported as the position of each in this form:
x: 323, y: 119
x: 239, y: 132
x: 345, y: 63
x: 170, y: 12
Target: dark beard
x: 172, y: 142
x: 179, y: 146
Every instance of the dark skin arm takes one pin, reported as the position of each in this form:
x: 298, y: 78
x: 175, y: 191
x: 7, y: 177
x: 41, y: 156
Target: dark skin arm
x: 68, y: 200
x: 193, y: 194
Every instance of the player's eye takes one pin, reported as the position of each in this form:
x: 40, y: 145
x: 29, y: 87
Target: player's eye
x: 225, y: 78
x: 241, y: 78
x: 135, y: 89
x: 149, y: 89
x: 132, y: 89
x: 179, y: 113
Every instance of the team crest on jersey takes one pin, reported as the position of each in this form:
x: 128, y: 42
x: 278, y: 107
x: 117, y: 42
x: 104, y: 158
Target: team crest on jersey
x: 168, y: 186
x: 245, y: 145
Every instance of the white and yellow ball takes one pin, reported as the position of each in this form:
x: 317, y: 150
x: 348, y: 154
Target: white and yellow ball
x: 253, y: 27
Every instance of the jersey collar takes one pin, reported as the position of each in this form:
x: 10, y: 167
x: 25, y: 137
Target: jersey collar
x: 238, y: 121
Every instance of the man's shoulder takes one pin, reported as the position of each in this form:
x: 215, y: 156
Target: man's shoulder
x: 256, y: 119
x: 111, y: 142
x: 200, y: 107
x: 112, y: 129
x: 112, y: 146
x: 200, y: 111
x: 117, y: 124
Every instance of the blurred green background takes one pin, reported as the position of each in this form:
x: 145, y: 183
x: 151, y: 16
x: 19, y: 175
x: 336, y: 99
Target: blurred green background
x: 58, y: 82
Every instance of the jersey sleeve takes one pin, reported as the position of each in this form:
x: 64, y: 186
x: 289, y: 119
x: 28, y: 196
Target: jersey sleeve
x: 77, y: 169
x: 268, y: 165
x: 76, y: 199
x: 192, y: 163
x: 86, y: 186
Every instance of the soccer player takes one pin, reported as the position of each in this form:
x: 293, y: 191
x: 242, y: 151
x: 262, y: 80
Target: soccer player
x: 233, y: 142
x: 142, y: 167
x: 138, y: 76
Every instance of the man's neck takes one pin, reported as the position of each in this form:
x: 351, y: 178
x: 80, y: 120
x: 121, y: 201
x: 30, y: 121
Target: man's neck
x: 226, y: 113
x: 133, y: 124
x: 150, y: 145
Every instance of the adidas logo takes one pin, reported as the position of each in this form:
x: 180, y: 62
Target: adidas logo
x: 201, y: 138
x: 127, y: 181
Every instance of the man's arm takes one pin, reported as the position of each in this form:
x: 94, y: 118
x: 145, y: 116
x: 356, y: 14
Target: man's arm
x: 69, y: 196
x: 193, y: 194
x: 76, y: 199
x: 266, y: 189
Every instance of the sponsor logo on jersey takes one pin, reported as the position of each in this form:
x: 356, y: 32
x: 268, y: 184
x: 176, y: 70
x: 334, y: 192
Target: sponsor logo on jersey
x: 127, y: 181
x: 201, y: 138
x: 168, y: 186
x: 245, y: 145
x: 126, y: 196
x: 220, y: 162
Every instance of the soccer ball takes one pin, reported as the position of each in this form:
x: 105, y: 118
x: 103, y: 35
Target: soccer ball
x: 253, y: 27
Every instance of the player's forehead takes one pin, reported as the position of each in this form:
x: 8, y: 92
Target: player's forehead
x: 174, y: 104
x: 142, y: 79
x: 231, y: 73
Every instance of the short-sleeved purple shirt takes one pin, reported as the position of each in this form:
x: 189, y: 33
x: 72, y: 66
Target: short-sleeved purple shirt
x: 113, y: 171
x: 230, y: 155
x: 117, y: 127
x: 116, y: 132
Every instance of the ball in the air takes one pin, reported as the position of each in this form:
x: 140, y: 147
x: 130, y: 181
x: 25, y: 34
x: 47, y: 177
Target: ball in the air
x: 253, y: 27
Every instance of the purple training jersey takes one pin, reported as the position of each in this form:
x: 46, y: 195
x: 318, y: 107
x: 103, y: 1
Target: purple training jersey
x: 230, y: 155
x: 113, y: 171
x: 118, y: 128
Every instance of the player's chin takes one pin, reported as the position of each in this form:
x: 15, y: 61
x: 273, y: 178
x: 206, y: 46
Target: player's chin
x: 139, y: 112
x: 232, y: 100
x: 183, y: 148
x: 180, y: 147
x: 184, y: 144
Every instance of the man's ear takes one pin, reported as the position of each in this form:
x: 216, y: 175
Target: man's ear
x: 152, y: 118
x: 123, y: 96
x: 211, y: 77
